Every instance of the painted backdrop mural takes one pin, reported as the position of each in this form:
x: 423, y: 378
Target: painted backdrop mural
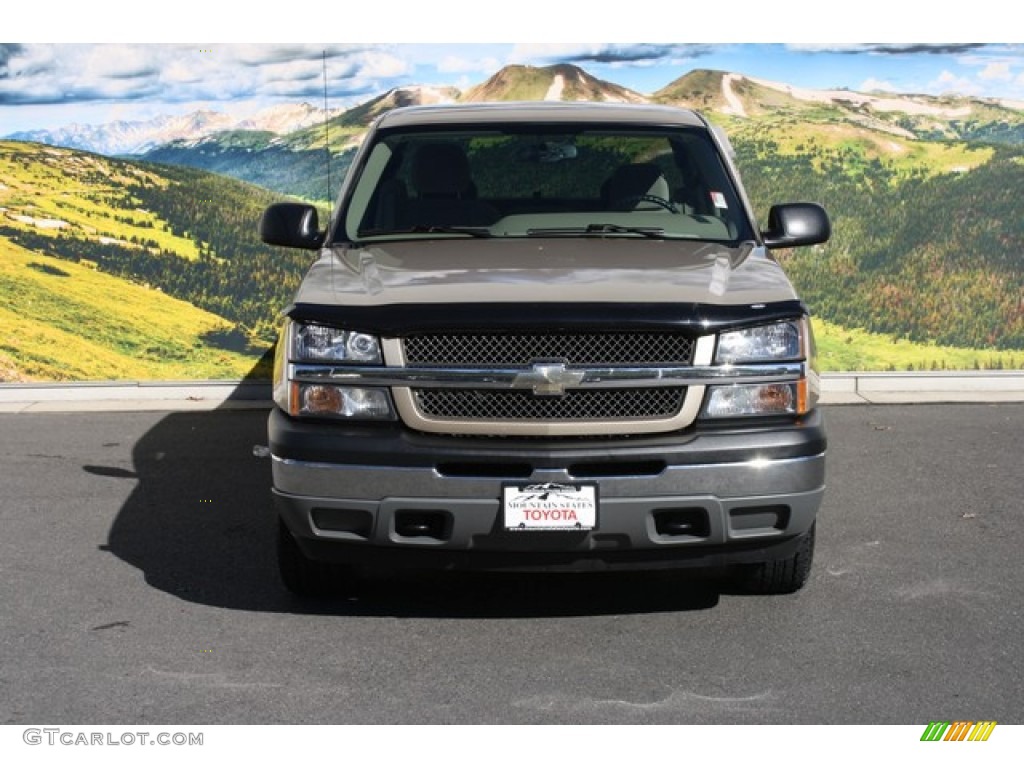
x: 132, y: 179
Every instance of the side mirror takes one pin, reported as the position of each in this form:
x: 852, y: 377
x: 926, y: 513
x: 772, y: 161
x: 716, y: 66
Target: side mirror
x: 796, y: 224
x: 293, y: 225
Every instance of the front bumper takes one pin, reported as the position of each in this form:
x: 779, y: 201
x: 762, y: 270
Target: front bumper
x: 704, y: 497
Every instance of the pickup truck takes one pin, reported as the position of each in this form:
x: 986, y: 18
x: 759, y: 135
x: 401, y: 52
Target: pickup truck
x: 545, y: 336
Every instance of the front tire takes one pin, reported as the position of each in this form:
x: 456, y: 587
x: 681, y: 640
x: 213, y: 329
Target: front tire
x: 305, y: 577
x: 779, y: 577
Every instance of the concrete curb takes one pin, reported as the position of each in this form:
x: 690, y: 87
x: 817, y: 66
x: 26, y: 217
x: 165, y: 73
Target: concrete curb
x: 837, y: 389
x: 923, y: 387
x: 134, y: 396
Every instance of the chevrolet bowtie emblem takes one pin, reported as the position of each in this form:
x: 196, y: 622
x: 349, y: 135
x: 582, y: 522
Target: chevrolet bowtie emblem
x: 548, y: 379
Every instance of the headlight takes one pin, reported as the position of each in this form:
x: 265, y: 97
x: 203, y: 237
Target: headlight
x: 323, y: 344
x: 309, y: 345
x: 788, y: 341
x: 765, y: 343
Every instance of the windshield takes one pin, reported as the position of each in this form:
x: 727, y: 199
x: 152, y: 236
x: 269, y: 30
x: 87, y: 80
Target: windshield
x: 542, y: 181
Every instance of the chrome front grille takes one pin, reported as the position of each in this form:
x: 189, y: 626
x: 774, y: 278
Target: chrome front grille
x: 575, y: 405
x: 591, y: 349
x: 531, y: 384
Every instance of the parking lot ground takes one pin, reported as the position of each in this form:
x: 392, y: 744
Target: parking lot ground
x: 138, y: 585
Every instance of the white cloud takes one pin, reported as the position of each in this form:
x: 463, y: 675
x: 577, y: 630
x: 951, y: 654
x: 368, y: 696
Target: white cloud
x: 998, y: 71
x: 81, y: 74
x: 828, y: 47
x: 381, y: 64
x: 528, y: 52
x: 947, y: 82
x: 260, y: 55
x: 119, y: 63
x: 460, y: 64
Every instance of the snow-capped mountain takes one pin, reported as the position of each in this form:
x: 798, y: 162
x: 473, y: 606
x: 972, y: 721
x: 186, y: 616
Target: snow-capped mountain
x: 247, y: 146
x: 139, y: 137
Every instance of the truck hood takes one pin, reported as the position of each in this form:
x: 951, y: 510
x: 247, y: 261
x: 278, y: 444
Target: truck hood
x: 597, y: 270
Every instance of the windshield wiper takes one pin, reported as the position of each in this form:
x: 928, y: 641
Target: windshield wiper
x: 429, y: 229
x: 599, y: 229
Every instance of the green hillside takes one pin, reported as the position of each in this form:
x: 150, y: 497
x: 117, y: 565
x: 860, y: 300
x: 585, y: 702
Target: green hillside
x: 927, y: 251
x: 854, y: 349
x: 62, y: 321
x: 86, y: 242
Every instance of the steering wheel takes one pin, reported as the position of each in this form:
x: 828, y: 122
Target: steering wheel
x: 624, y: 203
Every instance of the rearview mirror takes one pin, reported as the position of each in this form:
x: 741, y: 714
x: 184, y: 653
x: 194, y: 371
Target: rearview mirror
x: 549, y: 152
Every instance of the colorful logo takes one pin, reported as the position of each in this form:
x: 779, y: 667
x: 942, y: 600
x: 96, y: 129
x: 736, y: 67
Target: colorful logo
x: 961, y: 730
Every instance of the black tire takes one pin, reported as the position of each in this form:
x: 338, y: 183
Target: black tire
x: 305, y: 577
x: 779, y: 577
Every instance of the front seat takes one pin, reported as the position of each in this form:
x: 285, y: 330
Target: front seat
x: 444, y: 192
x: 627, y: 188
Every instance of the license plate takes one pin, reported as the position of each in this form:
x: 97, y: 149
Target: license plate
x: 550, y: 507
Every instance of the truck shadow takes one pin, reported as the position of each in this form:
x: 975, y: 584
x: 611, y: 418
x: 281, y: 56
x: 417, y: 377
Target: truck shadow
x: 518, y: 595
x: 200, y: 525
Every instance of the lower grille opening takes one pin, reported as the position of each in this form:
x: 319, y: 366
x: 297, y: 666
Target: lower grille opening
x: 428, y: 524
x: 618, y: 469
x: 686, y: 521
x: 357, y: 521
x: 484, y: 469
x: 773, y: 517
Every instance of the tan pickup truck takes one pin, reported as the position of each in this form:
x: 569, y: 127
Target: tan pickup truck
x: 546, y: 336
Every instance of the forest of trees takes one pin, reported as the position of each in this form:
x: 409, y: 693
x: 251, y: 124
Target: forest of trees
x: 935, y: 257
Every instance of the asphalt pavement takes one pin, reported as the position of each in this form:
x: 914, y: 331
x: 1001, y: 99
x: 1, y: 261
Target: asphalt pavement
x: 138, y: 585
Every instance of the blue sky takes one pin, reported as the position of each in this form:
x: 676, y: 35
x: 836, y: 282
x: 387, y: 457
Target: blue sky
x: 134, y: 74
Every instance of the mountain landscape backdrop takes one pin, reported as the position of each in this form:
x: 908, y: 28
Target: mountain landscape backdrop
x: 129, y: 250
